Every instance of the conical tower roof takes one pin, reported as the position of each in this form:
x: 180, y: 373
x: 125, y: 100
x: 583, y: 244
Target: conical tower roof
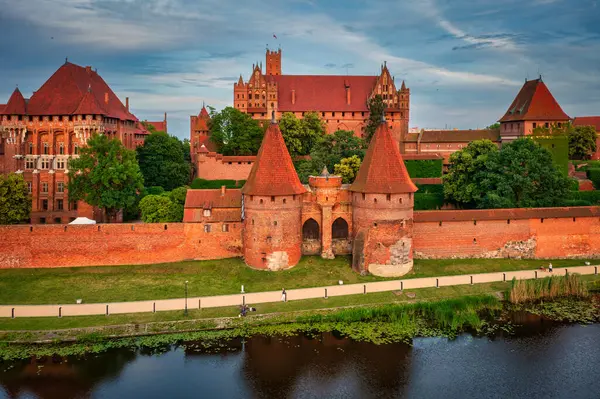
x: 273, y: 172
x: 383, y: 171
x: 16, y: 104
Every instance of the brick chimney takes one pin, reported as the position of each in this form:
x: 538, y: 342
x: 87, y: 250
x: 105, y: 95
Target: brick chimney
x: 127, y: 103
x: 223, y: 189
x: 348, y: 96
x: 293, y: 96
x: 106, y: 97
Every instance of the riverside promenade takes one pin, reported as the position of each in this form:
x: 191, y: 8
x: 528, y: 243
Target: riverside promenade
x: 89, y: 309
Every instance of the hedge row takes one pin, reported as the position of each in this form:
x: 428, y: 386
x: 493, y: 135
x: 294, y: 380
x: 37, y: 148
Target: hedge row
x: 424, y: 168
x: 593, y: 197
x: 430, y: 188
x: 574, y: 184
x: 559, y: 148
x: 426, y: 202
x: 594, y: 175
x: 207, y: 184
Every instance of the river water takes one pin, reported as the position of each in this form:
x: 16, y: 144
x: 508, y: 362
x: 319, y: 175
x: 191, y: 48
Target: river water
x: 540, y: 360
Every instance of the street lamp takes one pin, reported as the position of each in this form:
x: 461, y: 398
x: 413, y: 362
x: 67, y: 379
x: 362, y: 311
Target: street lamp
x: 185, y: 311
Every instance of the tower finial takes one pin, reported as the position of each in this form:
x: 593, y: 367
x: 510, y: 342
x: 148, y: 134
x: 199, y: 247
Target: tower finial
x: 66, y: 60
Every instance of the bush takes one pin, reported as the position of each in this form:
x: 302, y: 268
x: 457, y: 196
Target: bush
x: 559, y: 148
x: 594, y: 175
x: 426, y: 202
x: 577, y: 203
x: 574, y: 185
x: 177, y: 196
x: 593, y: 197
x: 430, y: 188
x: 160, y: 209
x: 212, y: 184
x: 154, y: 190
x: 424, y: 168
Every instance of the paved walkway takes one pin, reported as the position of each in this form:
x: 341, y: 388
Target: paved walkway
x: 275, y: 296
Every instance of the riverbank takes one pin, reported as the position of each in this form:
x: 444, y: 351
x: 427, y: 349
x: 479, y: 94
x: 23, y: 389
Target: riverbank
x: 218, y: 277
x: 376, y: 323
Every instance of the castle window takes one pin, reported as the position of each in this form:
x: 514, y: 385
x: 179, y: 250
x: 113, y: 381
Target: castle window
x: 400, y: 200
x: 29, y: 164
x: 60, y: 187
x: 29, y: 187
x: 343, y: 114
x: 332, y: 114
x: 272, y: 198
x: 45, y: 163
x: 206, y: 212
x: 284, y: 200
x: 225, y: 228
x: 559, y: 124
x: 30, y: 150
x: 339, y: 229
x: 323, y: 114
x: 534, y: 125
x: 364, y: 196
x: 74, y: 205
x: 275, y: 223
x: 474, y: 240
x: 61, y: 148
x: 46, y: 149
x: 546, y: 124
x: 249, y: 96
x: 45, y: 205
x: 375, y: 200
x: 207, y: 228
x: 261, y: 201
x: 76, y: 149
x: 388, y: 197
x: 59, y: 205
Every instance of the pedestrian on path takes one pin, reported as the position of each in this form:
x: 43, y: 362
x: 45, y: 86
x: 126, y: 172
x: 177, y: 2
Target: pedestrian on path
x: 550, y: 267
x: 283, y: 295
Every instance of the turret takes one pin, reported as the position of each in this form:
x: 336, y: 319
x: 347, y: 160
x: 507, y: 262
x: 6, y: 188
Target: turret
x: 272, y: 206
x: 273, y: 63
x: 382, y: 201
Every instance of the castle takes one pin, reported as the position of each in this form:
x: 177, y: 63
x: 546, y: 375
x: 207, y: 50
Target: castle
x: 283, y: 220
x: 39, y: 135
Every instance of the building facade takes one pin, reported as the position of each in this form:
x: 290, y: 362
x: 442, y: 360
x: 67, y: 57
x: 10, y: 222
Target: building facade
x: 39, y: 135
x: 340, y: 100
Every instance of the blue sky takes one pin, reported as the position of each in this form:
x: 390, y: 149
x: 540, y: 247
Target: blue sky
x: 464, y: 60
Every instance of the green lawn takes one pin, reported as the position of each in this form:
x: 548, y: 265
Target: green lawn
x: 159, y: 281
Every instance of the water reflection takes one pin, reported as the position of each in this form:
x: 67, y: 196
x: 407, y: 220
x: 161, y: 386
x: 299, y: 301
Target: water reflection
x: 541, y: 360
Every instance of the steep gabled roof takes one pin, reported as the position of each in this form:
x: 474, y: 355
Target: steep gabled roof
x: 534, y: 103
x: 382, y: 170
x: 215, y: 198
x: 202, y: 120
x: 158, y: 126
x: 323, y: 92
x: 273, y: 172
x: 587, y: 121
x: 16, y: 104
x: 89, y: 105
x: 2, y: 106
x: 63, y: 93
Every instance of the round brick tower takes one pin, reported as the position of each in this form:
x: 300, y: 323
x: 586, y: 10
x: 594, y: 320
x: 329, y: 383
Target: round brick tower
x: 382, y: 203
x: 272, y: 206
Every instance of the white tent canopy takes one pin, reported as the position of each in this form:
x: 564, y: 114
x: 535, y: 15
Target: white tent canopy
x: 83, y: 220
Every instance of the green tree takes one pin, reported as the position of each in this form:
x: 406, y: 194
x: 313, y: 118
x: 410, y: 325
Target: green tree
x: 522, y: 174
x: 162, y: 161
x: 300, y: 135
x: 582, y: 142
x: 376, y: 108
x: 494, y: 126
x: 177, y: 196
x: 235, y: 132
x: 15, y: 202
x: 160, y: 209
x: 348, y: 168
x: 460, y: 183
x: 105, y: 175
x: 186, y: 148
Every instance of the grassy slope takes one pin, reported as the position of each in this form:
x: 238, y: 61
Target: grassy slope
x: 159, y: 281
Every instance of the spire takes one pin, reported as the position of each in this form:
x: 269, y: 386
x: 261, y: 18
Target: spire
x: 382, y: 170
x: 403, y: 87
x: 273, y: 172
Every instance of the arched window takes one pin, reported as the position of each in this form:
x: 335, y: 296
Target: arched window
x: 339, y: 229
x: 310, y: 230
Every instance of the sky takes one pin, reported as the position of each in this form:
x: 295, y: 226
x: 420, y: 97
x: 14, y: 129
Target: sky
x: 464, y: 60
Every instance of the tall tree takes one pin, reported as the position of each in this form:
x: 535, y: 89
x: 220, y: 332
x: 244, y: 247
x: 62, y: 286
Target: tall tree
x: 235, y: 132
x: 460, y: 183
x: 300, y: 135
x: 162, y: 161
x: 15, y: 201
x: 376, y: 111
x: 522, y: 174
x: 582, y: 142
x: 105, y: 175
x: 348, y: 168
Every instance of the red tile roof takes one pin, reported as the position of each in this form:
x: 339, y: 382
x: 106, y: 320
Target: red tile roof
x: 323, y: 92
x: 534, y: 103
x: 208, y: 143
x: 208, y: 199
x: 587, y: 121
x: 2, y: 106
x: 505, y: 214
x: 273, y: 172
x: 16, y: 104
x: 89, y: 105
x: 202, y: 120
x: 382, y: 170
x: 66, y: 89
x: 451, y: 136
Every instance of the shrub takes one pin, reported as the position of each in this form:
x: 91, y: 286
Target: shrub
x: 430, y: 188
x: 160, y: 209
x: 425, y: 201
x: 212, y: 184
x: 424, y: 168
x: 594, y: 175
x: 577, y: 203
x: 592, y: 197
x: 559, y: 148
x: 154, y: 190
x: 177, y: 196
x: 574, y: 185
x: 548, y: 287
